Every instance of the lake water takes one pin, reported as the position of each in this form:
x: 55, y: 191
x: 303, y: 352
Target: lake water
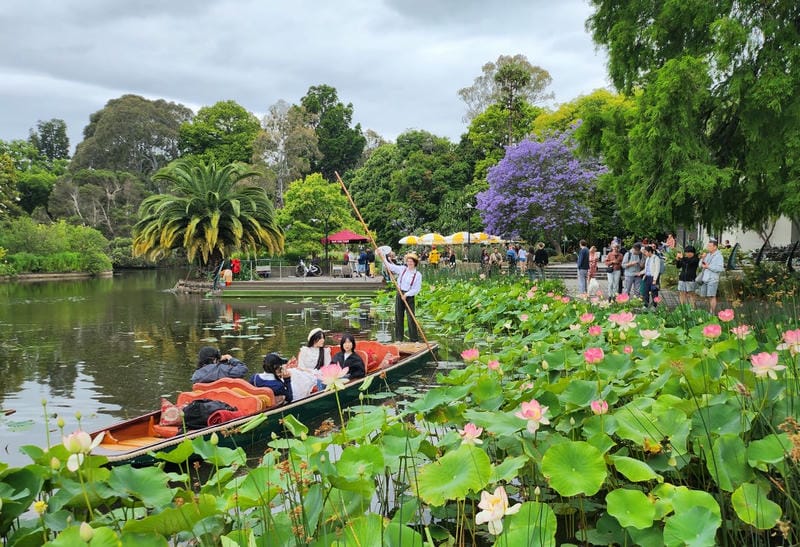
x: 111, y: 348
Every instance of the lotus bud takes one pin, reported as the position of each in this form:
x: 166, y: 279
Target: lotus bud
x: 78, y: 415
x: 55, y: 464
x: 361, y: 396
x: 214, y: 440
x: 44, y: 402
x: 273, y: 436
x: 622, y: 335
x: 545, y: 365
x: 60, y: 422
x: 572, y: 421
x: 537, y: 491
x: 87, y: 532
x: 672, y: 461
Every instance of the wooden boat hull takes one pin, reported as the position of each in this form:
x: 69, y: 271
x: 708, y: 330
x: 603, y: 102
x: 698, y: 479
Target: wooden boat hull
x: 134, y: 441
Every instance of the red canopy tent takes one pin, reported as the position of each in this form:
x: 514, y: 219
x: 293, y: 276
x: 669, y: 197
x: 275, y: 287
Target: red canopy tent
x: 345, y: 236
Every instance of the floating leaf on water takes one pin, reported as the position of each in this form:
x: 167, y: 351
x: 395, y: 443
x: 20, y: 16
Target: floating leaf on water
x: 140, y: 341
x: 209, y: 339
x: 255, y: 337
x: 574, y: 467
x: 21, y: 425
x: 148, y: 347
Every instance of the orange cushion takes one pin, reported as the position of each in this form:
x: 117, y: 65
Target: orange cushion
x: 165, y: 431
x: 242, y: 403
x: 235, y: 383
x: 377, y: 352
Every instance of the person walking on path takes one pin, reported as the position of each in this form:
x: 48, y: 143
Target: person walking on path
x: 409, y: 283
x: 540, y: 259
x: 613, y: 264
x: 712, y: 264
x: 631, y: 266
x: 583, y: 268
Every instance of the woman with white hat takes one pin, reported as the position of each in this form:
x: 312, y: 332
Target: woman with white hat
x: 305, y: 369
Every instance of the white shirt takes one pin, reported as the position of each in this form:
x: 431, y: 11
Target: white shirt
x: 410, y: 283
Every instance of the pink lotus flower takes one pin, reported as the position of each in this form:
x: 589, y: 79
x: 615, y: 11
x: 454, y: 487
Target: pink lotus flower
x: 551, y: 294
x: 648, y: 336
x: 523, y: 317
x: 495, y: 507
x: 594, y: 300
x: 593, y: 355
x: 526, y: 386
x: 469, y: 355
x: 622, y: 298
x: 599, y: 407
x: 531, y: 294
x: 470, y: 434
x: 493, y: 365
x: 712, y: 331
x: 741, y: 331
x: 623, y: 319
x: 765, y: 364
x: 575, y: 326
x: 726, y: 315
x: 565, y: 299
x: 628, y: 350
x: 534, y: 413
x: 791, y: 341
x: 595, y: 330
x: 334, y: 376
x: 587, y: 318
x: 656, y: 299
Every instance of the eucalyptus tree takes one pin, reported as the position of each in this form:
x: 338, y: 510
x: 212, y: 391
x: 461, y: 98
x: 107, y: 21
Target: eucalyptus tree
x: 211, y: 212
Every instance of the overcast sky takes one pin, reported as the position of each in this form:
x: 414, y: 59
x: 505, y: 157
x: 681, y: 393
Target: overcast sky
x: 400, y: 62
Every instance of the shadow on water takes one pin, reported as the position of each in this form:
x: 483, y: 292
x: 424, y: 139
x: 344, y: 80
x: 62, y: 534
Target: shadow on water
x: 111, y: 348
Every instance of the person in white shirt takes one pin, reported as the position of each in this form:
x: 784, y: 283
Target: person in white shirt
x: 712, y: 265
x: 409, y: 283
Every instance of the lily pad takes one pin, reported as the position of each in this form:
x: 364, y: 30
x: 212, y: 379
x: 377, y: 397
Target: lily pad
x: 631, y: 508
x: 696, y: 527
x: 574, y: 467
x: 466, y: 469
x: 752, y: 506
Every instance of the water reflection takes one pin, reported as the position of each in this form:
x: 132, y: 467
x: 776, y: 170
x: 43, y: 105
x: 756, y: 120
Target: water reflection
x: 111, y: 348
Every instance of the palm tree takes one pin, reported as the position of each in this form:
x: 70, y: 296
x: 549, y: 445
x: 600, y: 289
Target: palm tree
x: 209, y: 213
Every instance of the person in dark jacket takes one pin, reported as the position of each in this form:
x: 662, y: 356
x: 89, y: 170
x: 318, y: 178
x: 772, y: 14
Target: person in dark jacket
x: 212, y: 366
x: 540, y: 260
x: 275, y: 376
x: 583, y: 268
x: 687, y: 263
x: 348, y: 357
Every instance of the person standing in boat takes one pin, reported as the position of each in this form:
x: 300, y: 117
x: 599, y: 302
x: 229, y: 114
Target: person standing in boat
x: 305, y: 369
x: 275, y: 376
x: 212, y: 366
x: 409, y: 283
x: 348, y: 357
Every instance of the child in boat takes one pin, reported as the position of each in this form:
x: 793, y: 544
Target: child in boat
x: 212, y: 366
x: 275, y: 376
x: 348, y: 357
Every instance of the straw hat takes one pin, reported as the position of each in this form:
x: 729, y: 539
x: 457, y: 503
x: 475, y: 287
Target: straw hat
x: 414, y: 257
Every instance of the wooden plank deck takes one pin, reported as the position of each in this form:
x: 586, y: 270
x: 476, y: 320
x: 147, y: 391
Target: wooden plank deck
x: 303, y: 286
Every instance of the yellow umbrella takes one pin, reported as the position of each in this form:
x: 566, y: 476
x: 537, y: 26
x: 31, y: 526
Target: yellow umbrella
x: 494, y: 240
x: 432, y: 239
x: 460, y: 238
x: 480, y: 237
x: 409, y: 240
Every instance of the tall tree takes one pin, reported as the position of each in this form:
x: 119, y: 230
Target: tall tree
x: 223, y: 133
x: 286, y: 144
x: 51, y: 139
x: 9, y: 197
x: 131, y: 134
x: 506, y: 81
x: 340, y: 144
x: 719, y: 123
x: 539, y: 188
x: 211, y: 213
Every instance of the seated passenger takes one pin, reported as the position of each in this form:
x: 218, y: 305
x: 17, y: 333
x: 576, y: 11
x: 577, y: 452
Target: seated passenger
x: 275, y: 376
x: 305, y: 369
x: 212, y: 366
x: 348, y: 357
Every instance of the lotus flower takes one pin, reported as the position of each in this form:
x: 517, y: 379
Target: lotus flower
x: 622, y: 298
x: 741, y: 331
x: 623, y: 319
x: 78, y: 444
x: 565, y: 299
x: 469, y: 355
x: 523, y: 317
x: 495, y: 507
x: 470, y: 434
x: 628, y: 350
x: 599, y: 407
x: 493, y: 365
x: 531, y: 294
x: 712, y: 331
x: 726, y: 315
x: 593, y: 355
x: 648, y: 336
x: 334, y: 376
x: 595, y: 330
x: 765, y: 364
x: 534, y: 413
x: 791, y: 341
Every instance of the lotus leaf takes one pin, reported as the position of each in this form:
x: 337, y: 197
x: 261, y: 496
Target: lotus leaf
x: 365, y: 422
x: 294, y: 426
x: 534, y: 525
x: 695, y: 527
x: 720, y: 420
x: 253, y: 489
x: 179, y: 454
x: 359, y: 461
x: 752, y: 506
x: 507, y: 470
x: 772, y: 449
x: 579, y: 393
x: 453, y: 476
x: 574, y: 467
x: 147, y: 484
x: 496, y: 423
x: 634, y: 470
x: 631, y: 508
x: 487, y: 393
x: 727, y: 462
x: 174, y: 519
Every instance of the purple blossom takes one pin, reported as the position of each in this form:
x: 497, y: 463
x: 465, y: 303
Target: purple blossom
x: 538, y: 186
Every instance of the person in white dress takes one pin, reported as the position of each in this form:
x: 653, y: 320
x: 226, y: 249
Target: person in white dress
x: 305, y: 368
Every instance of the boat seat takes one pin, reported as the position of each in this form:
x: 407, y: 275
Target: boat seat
x: 235, y: 383
x: 243, y: 402
x: 376, y: 353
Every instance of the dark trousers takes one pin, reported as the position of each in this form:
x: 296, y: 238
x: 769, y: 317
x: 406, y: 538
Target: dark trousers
x: 650, y: 291
x: 399, y: 313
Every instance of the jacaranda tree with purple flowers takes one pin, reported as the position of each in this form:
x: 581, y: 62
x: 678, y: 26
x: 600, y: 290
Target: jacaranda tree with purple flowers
x: 539, y: 187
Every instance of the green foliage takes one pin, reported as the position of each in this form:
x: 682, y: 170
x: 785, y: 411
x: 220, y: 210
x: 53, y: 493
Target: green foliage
x: 9, y: 196
x: 131, y: 134
x: 212, y: 213
x: 50, y: 139
x: 222, y: 134
x: 339, y: 144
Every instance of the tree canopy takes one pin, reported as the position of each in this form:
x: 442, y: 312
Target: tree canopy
x: 210, y: 213
x: 50, y: 139
x: 131, y: 134
x: 718, y: 126
x: 222, y: 133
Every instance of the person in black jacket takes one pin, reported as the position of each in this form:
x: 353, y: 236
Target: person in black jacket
x: 687, y: 263
x: 349, y: 358
x: 275, y: 376
x: 540, y: 260
x: 211, y: 366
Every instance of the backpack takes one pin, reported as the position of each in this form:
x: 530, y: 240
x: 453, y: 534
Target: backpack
x: 196, y: 413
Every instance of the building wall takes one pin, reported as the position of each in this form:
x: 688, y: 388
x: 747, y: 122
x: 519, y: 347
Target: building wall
x: 784, y: 234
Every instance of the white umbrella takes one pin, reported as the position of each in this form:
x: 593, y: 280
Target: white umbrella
x: 409, y: 240
x: 432, y: 239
